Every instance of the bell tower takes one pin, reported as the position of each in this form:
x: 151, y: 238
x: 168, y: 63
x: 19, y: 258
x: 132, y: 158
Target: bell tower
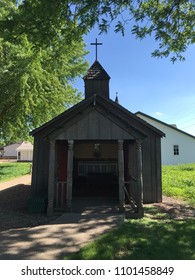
x: 97, y: 79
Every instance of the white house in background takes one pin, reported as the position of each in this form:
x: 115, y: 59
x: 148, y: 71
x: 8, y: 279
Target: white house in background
x: 25, y: 152
x: 177, y: 147
x: 9, y: 151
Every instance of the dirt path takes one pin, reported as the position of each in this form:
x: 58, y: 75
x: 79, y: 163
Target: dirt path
x: 24, y: 180
x: 176, y: 209
x: 55, y: 240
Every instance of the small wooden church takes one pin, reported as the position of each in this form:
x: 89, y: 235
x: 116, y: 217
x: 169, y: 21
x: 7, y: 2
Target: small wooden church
x: 97, y: 149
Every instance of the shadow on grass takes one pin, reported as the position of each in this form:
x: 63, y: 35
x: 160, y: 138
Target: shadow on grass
x: 146, y: 239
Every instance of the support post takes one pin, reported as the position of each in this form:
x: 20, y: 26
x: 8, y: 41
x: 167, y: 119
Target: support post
x: 69, y: 176
x: 51, y: 178
x: 139, y: 179
x: 121, y: 174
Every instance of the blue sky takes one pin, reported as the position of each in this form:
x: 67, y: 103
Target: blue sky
x: 156, y: 87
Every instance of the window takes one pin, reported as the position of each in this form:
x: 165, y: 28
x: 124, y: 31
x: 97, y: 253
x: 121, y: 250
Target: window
x: 176, y: 150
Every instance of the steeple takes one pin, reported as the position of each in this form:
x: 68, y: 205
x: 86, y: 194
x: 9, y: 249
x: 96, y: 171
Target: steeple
x: 96, y: 81
x: 116, y: 99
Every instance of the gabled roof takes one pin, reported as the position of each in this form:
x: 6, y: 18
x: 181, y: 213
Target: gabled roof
x: 96, y: 72
x: 128, y: 116
x: 168, y: 125
x: 25, y: 146
x: 16, y: 143
x: 81, y: 105
x: 112, y: 109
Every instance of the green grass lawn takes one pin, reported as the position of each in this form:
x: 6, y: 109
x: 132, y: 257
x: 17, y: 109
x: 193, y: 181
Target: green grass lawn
x: 156, y: 236
x: 179, y: 181
x: 12, y: 170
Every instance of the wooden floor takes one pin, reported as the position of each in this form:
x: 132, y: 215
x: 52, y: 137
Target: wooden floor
x: 95, y: 205
x: 99, y: 206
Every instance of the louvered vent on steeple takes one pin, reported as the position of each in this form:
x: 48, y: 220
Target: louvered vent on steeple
x: 96, y: 81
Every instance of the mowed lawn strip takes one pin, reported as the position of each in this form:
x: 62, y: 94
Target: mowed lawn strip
x: 179, y: 181
x: 143, y: 239
x: 13, y: 170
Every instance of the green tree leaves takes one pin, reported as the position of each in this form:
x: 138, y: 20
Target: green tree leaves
x: 35, y: 81
x: 172, y: 23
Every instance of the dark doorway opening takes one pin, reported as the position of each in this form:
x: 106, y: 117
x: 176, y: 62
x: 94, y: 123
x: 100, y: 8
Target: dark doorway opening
x: 95, y: 179
x: 95, y: 170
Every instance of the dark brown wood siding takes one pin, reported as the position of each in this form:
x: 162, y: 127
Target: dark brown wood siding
x: 40, y: 166
x: 61, y: 171
x: 100, y: 87
x: 151, y: 152
x: 100, y: 120
x: 61, y: 148
x: 92, y: 126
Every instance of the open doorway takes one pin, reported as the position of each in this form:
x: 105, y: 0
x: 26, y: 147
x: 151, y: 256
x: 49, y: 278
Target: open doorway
x: 95, y: 171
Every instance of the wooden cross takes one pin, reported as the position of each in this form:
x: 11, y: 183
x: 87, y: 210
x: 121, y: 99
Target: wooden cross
x: 96, y: 44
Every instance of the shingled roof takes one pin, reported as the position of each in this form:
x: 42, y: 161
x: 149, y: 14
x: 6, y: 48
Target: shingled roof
x: 96, y: 72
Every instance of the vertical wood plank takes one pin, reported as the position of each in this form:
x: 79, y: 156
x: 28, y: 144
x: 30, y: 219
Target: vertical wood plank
x: 69, y: 175
x: 139, y: 179
x: 121, y: 173
x: 51, y: 178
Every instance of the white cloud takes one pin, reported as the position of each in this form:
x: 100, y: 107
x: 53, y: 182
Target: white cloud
x: 158, y: 114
